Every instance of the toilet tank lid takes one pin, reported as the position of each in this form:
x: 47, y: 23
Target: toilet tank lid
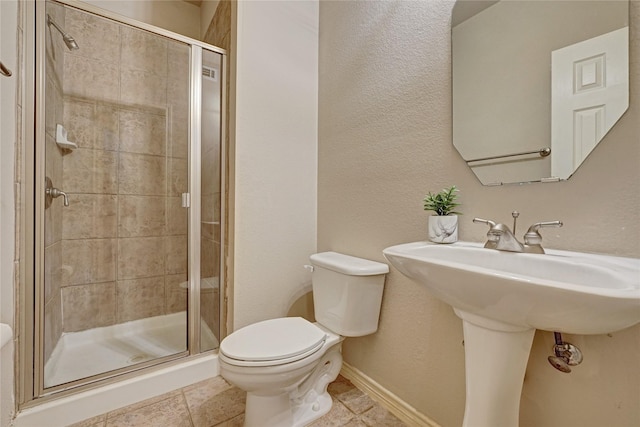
x: 347, y: 264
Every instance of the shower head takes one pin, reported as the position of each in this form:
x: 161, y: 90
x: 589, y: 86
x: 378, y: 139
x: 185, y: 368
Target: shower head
x: 68, y: 40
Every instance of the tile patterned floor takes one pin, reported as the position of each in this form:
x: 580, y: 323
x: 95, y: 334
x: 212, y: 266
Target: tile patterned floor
x: 216, y: 403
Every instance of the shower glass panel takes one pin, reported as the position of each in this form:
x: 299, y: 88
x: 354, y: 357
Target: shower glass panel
x: 115, y: 230
x: 211, y: 200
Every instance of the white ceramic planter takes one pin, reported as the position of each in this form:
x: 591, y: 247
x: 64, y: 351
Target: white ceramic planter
x: 443, y: 229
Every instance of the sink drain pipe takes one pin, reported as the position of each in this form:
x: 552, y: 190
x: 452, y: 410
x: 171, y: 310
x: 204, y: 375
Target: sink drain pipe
x: 565, y: 354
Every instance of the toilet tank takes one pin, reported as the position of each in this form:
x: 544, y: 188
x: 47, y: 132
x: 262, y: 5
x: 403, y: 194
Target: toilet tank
x: 347, y: 293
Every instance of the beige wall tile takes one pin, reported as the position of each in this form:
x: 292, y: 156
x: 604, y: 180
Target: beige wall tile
x: 210, y: 311
x: 178, y: 175
x: 52, y: 99
x: 88, y: 306
x: 143, y: 51
x: 179, y: 133
x: 176, y: 296
x: 140, y: 298
x: 90, y: 216
x: 143, y: 88
x: 140, y: 257
x: 79, y: 122
x: 178, y: 84
x: 91, y: 79
x: 176, y: 254
x: 106, y: 128
x: 91, y: 124
x: 53, y: 270
x: 143, y: 132
x: 178, y: 62
x: 53, y: 161
x: 141, y: 174
x: 209, y: 256
x: 53, y: 222
x: 88, y: 261
x: 53, y: 214
x: 52, y: 324
x: 141, y: 216
x: 97, y: 37
x: 177, y: 217
x: 54, y: 44
x: 207, y: 228
x: 220, y: 26
x: 210, y: 172
x: 90, y: 171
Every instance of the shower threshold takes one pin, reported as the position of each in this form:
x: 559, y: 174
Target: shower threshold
x: 95, y: 351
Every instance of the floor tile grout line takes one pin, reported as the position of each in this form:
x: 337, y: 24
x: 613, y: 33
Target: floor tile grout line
x: 186, y: 404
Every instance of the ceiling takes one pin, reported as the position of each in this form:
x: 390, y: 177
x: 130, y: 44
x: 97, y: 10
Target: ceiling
x: 195, y: 2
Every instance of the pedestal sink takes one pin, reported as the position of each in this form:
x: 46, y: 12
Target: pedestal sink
x: 503, y: 297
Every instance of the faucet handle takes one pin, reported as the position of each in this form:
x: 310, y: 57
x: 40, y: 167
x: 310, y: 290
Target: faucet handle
x: 492, y: 235
x: 490, y: 223
x: 533, y: 237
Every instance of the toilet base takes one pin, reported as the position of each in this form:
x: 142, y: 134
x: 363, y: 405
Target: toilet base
x: 304, y: 404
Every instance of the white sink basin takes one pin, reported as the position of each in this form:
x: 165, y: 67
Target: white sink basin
x: 503, y: 297
x: 559, y: 291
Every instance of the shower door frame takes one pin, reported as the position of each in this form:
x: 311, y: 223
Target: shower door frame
x: 30, y: 381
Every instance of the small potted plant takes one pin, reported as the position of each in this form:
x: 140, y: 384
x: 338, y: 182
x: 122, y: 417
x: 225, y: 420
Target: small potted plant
x: 443, y: 226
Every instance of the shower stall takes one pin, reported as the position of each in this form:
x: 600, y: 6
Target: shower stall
x: 128, y: 182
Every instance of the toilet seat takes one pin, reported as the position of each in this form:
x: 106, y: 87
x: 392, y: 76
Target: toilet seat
x: 272, y: 342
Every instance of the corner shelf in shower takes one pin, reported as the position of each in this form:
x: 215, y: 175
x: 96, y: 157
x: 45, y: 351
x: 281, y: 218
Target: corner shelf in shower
x: 62, y: 141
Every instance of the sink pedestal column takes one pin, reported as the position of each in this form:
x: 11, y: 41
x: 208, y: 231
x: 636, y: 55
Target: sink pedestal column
x: 496, y: 356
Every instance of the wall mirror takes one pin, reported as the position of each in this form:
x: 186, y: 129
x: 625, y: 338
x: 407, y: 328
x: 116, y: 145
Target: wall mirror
x: 536, y: 84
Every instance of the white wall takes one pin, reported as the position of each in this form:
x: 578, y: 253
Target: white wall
x: 174, y: 15
x: 8, y: 56
x: 275, y: 155
x: 7, y: 140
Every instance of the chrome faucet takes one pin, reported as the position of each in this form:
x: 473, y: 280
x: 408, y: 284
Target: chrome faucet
x: 501, y: 238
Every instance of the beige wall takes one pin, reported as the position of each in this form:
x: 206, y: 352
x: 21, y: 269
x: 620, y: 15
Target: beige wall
x: 208, y: 9
x: 174, y: 15
x: 385, y: 141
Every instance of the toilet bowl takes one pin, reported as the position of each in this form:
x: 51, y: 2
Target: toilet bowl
x: 286, y: 364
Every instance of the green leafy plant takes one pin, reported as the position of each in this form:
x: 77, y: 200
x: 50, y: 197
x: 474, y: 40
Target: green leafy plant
x: 442, y: 203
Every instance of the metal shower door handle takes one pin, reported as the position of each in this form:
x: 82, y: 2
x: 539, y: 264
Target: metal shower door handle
x: 51, y: 193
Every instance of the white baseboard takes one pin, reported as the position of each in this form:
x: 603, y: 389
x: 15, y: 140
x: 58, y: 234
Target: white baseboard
x: 405, y: 412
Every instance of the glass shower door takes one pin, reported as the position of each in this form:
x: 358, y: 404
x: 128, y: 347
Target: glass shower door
x: 116, y: 164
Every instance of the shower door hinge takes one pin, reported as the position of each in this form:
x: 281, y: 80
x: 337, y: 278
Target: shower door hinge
x: 186, y: 200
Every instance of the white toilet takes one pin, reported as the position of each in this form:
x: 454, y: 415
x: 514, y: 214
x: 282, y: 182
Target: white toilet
x: 286, y: 364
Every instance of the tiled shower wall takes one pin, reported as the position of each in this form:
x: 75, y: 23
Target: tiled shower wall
x: 123, y: 239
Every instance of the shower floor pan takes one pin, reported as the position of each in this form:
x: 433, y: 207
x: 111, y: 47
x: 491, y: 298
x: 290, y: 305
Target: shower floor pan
x: 84, y: 354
